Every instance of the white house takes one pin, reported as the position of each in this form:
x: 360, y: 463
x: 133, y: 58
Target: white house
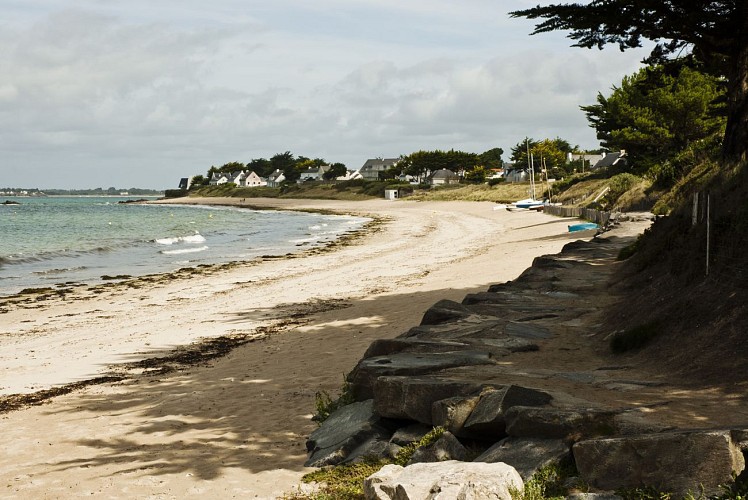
x: 313, y: 174
x: 254, y: 180
x: 276, y: 178
x: 373, y: 167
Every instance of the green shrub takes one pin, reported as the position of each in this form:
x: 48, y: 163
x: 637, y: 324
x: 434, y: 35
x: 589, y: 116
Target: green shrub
x: 175, y: 193
x: 325, y: 405
x: 548, y: 483
x: 342, y: 482
x: 406, y: 453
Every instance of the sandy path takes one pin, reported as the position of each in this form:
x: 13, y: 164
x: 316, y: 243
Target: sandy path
x: 236, y: 427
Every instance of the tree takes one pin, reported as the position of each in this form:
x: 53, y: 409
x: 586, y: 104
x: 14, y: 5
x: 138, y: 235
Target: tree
x: 233, y: 166
x: 492, y: 158
x: 657, y: 113
x: 550, y: 154
x: 335, y: 170
x: 714, y: 33
x: 260, y: 166
x: 286, y: 163
x: 198, y: 180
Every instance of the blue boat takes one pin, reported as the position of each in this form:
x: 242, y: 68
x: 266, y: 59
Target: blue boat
x: 582, y: 226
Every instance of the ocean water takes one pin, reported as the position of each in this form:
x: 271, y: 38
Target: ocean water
x: 56, y: 240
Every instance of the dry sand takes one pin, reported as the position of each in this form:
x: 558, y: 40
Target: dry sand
x: 235, y: 426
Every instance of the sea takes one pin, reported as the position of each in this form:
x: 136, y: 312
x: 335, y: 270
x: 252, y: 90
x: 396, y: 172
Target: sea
x: 53, y: 241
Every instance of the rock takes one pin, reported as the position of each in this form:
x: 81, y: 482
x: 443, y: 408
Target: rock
x: 411, y: 398
x: 488, y: 417
x: 673, y: 461
x: 410, y: 434
x: 527, y: 331
x: 554, y: 423
x: 443, y: 480
x: 447, y: 447
x: 511, y: 344
x: 528, y: 456
x: 452, y: 331
x: 385, y: 347
x: 363, y: 377
x: 451, y: 413
x: 343, y: 432
x: 445, y: 311
x: 376, y: 447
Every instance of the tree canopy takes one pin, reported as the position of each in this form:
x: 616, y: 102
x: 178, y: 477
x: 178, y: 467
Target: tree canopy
x: 548, y: 153
x: 656, y: 114
x: 714, y: 33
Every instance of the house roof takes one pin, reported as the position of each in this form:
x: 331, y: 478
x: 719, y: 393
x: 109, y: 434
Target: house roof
x: 443, y: 173
x: 379, y: 163
x: 611, y: 159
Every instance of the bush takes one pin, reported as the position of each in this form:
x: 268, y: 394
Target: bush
x: 326, y: 406
x: 498, y: 180
x: 175, y: 193
x: 635, y: 338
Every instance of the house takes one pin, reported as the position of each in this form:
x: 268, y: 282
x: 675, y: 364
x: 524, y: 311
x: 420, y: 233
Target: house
x: 254, y: 180
x: 313, y: 174
x: 373, y: 167
x: 617, y: 159
x: 218, y: 178
x: 276, y: 178
x: 349, y: 176
x: 442, y: 177
x: 237, y: 177
x: 407, y: 178
x: 588, y: 159
x: 516, y: 174
x: 495, y: 173
x: 184, y: 183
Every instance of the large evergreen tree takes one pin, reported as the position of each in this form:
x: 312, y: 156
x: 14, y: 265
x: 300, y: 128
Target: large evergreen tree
x: 713, y: 32
x: 656, y: 114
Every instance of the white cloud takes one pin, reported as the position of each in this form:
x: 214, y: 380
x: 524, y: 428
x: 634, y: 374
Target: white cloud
x: 143, y: 93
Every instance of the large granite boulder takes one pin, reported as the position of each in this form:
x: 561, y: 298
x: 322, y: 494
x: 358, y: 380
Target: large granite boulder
x: 528, y: 456
x: 347, y: 429
x: 555, y: 423
x: 445, y: 311
x: 412, y: 398
x: 363, y: 377
x: 451, y: 413
x: 447, y: 447
x: 443, y: 480
x: 488, y: 420
x: 672, y: 461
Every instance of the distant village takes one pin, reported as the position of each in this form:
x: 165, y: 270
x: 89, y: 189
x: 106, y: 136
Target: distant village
x: 373, y: 170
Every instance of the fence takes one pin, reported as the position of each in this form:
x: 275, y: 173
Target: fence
x: 601, y: 218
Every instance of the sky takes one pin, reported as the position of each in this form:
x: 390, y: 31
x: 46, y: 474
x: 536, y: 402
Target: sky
x: 140, y: 93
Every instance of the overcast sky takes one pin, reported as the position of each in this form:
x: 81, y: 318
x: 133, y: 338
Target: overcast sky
x: 139, y: 93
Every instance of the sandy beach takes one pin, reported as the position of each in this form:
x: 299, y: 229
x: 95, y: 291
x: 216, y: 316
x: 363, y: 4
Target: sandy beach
x: 234, y: 426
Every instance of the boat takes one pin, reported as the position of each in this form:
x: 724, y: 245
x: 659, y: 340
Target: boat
x: 583, y: 226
